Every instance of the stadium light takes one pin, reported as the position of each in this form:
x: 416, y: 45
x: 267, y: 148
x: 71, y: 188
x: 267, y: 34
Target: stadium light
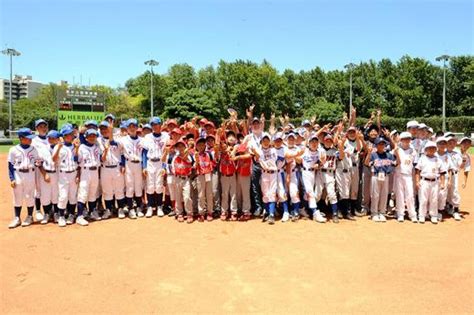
x: 10, y: 52
x: 151, y: 63
x: 444, y: 58
x: 350, y: 67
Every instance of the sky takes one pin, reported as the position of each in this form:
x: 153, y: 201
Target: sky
x: 107, y: 41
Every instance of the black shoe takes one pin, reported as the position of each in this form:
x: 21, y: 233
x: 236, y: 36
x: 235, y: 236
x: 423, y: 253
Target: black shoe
x: 304, y: 214
x: 361, y: 213
x: 335, y: 219
x: 271, y: 219
x: 339, y: 215
x: 257, y: 213
x: 171, y: 214
x: 350, y: 217
x: 294, y: 218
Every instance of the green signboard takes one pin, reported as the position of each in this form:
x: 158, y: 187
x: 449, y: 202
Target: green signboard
x: 74, y: 117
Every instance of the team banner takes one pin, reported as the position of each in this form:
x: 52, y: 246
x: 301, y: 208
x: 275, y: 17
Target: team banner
x: 75, y: 117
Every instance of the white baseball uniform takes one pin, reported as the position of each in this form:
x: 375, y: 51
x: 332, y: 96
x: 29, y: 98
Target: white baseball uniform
x: 325, y: 177
x: 112, y: 180
x: 39, y: 142
x: 269, y: 180
x: 344, y: 172
x: 454, y: 198
x: 281, y: 177
x: 310, y: 160
x: 67, y: 165
x: 154, y: 146
x: 293, y: 187
x: 24, y: 161
x: 403, y: 181
x: 132, y: 150
x: 443, y: 193
x: 49, y: 191
x: 89, y: 163
x: 430, y: 169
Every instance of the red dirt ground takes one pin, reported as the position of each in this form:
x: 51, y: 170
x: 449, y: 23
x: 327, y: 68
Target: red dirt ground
x: 161, y: 266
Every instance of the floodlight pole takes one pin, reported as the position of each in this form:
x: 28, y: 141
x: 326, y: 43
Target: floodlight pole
x: 444, y: 58
x: 151, y: 63
x: 10, y: 52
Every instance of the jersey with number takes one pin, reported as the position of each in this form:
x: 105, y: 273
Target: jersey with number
x: 445, y: 160
x: 281, y: 161
x: 23, y: 158
x: 155, y: 144
x: 292, y: 150
x: 430, y: 167
x: 382, y: 162
x: 310, y: 158
x: 114, y: 154
x: 456, y: 160
x: 332, y: 155
x: 268, y: 158
x: 88, y: 155
x: 67, y: 161
x: 408, y: 160
x: 132, y: 148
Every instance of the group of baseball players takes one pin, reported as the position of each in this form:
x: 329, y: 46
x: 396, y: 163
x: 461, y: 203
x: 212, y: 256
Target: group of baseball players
x: 236, y: 171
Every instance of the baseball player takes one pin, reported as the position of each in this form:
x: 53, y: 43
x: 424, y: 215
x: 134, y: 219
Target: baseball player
x: 344, y: 178
x: 132, y: 150
x: 310, y: 162
x: 465, y: 143
x: 227, y: 171
x: 41, y: 141
x: 49, y: 189
x: 89, y: 163
x: 325, y: 178
x: 268, y: 157
x: 168, y: 158
x: 112, y: 172
x: 292, y: 178
x: 204, y: 168
x: 23, y: 159
x: 403, y: 178
x: 454, y: 198
x: 381, y: 164
x: 282, y: 193
x: 443, y: 155
x: 65, y: 156
x: 182, y: 168
x: 356, y: 140
x: 430, y: 177
x: 243, y: 160
x: 153, y: 167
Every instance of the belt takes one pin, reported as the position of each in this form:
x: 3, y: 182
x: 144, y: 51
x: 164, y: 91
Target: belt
x: 23, y: 170
x: 67, y: 172
x: 50, y: 171
x: 182, y: 177
x: 455, y: 172
x: 269, y: 172
x: 110, y: 166
x: 154, y: 160
x: 344, y: 170
x: 92, y: 168
x: 133, y: 161
x: 429, y: 179
x: 309, y: 169
x: 325, y: 170
x: 228, y: 175
x: 354, y: 164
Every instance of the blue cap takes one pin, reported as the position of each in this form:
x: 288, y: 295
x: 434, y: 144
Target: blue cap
x: 278, y: 135
x: 91, y: 132
x: 123, y: 124
x: 91, y: 123
x: 132, y: 121
x: 25, y: 133
x: 146, y: 126
x: 155, y: 121
x: 110, y: 116
x: 305, y: 122
x: 379, y: 140
x: 39, y: 122
x: 53, y: 134
x: 66, y: 130
x: 104, y: 124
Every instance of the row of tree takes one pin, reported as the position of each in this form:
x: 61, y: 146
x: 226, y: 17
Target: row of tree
x: 410, y: 87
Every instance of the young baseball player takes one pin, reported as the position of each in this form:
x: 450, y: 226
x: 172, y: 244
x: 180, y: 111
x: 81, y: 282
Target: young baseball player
x: 49, y: 189
x: 204, y: 168
x: 443, y: 155
x: 182, y: 166
x: 282, y: 193
x: 454, y: 198
x: 403, y: 178
x: 430, y: 177
x: 132, y: 151
x: 465, y: 143
x: 112, y: 172
x: 227, y: 171
x: 292, y: 178
x: 243, y: 160
x: 381, y: 164
x: 65, y: 156
x: 268, y: 157
x: 23, y: 159
x: 39, y: 142
x: 153, y: 167
x: 356, y: 140
x: 168, y: 158
x: 310, y: 162
x: 89, y: 163
x: 344, y: 178
x: 334, y: 151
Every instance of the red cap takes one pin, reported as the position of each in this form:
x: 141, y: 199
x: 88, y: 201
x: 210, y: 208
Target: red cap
x: 172, y: 122
x: 179, y: 141
x: 210, y: 123
x: 177, y: 131
x: 203, y: 121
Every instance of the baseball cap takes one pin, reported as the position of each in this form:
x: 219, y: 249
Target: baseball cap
x: 53, y: 134
x: 380, y: 140
x: 110, y: 116
x: 201, y: 139
x: 255, y: 119
x: 155, y: 121
x: 25, y: 133
x: 313, y: 136
x: 412, y: 124
x: 351, y: 128
x: 91, y: 123
x: 90, y: 132
x: 290, y: 134
x: 278, y: 136
x: 265, y: 135
x: 430, y: 144
x: 132, y: 121
x: 39, y: 122
x: 123, y: 124
x: 328, y: 137
x: 405, y: 135
x: 393, y: 132
x: 104, y: 124
x: 203, y: 121
x: 180, y: 141
x: 441, y: 139
x: 146, y: 126
x: 66, y: 130
x: 305, y: 122
x: 172, y: 122
x: 430, y: 130
x: 465, y: 139
x: 210, y: 123
x: 177, y: 131
x: 422, y: 126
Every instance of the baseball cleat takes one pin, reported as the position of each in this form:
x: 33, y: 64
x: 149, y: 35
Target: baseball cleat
x: 82, y: 221
x: 457, y: 216
x: 335, y: 219
x: 45, y: 219
x: 61, y: 222
x: 414, y: 219
x: 56, y: 217
x: 14, y: 223
x: 400, y: 218
x: 132, y: 214
x: 421, y: 219
x: 149, y: 212
x: 38, y: 215
x: 434, y: 219
x: 140, y: 213
x: 376, y: 218
x: 209, y: 217
x: 271, y: 219
x: 285, y: 217
x: 382, y: 218
x: 70, y: 219
x: 107, y: 214
x: 95, y: 216
x: 121, y: 213
x: 159, y: 211
x: 28, y: 221
x: 317, y: 216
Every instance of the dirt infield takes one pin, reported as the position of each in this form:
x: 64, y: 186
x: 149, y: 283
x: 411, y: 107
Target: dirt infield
x: 159, y: 266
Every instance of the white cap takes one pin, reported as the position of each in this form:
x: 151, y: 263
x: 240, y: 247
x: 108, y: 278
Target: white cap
x: 449, y: 134
x: 429, y: 144
x: 430, y: 130
x: 412, y: 124
x: 440, y: 139
x: 393, y: 132
x: 465, y: 139
x: 405, y: 135
x: 422, y: 125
